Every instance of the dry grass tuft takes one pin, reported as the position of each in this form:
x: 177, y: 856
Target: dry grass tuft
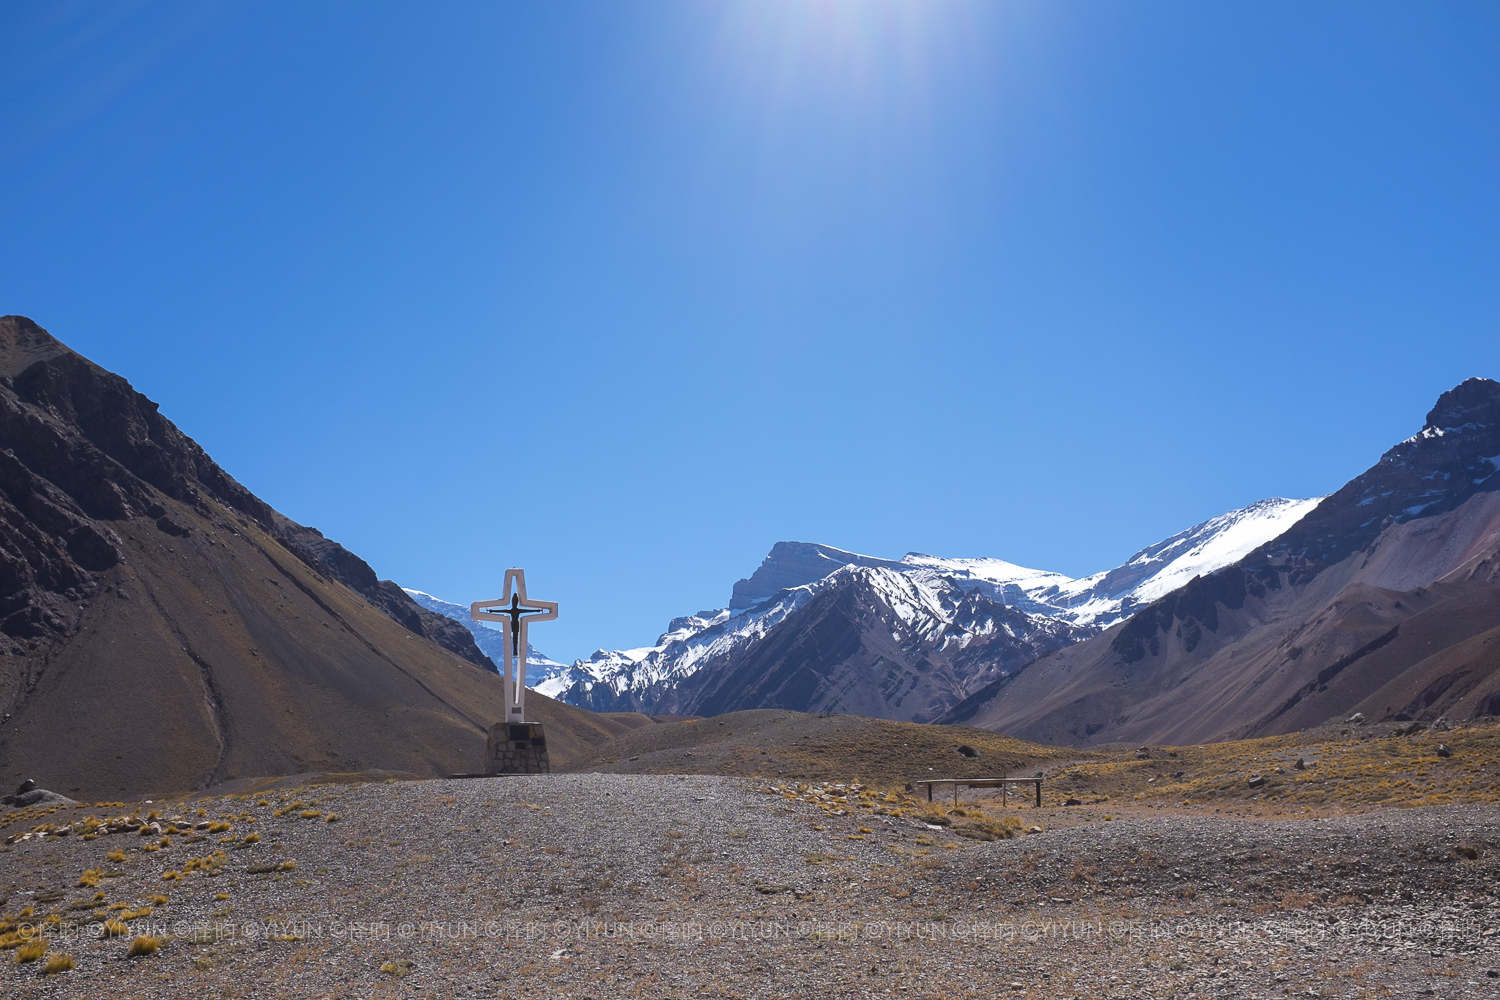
x: 31, y: 950
x: 206, y: 864
x: 399, y: 968
x: 113, y: 928
x: 118, y: 857
x: 145, y: 944
x: 978, y: 826
x: 91, y: 878
x: 56, y: 964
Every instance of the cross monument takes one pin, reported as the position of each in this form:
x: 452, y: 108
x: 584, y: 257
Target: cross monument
x: 514, y: 611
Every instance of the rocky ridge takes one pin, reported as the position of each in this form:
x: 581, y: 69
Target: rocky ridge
x: 80, y: 449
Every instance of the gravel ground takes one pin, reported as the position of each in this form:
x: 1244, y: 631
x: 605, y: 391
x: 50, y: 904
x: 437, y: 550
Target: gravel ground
x: 602, y: 885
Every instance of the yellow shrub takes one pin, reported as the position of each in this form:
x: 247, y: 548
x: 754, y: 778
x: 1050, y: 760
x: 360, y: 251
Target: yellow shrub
x: 31, y: 950
x: 56, y: 964
x: 145, y: 945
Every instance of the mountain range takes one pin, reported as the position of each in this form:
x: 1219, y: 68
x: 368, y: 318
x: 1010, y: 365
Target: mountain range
x: 819, y: 629
x: 1382, y: 599
x: 162, y: 628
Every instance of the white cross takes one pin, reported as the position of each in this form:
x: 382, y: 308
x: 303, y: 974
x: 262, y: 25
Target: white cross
x: 513, y: 611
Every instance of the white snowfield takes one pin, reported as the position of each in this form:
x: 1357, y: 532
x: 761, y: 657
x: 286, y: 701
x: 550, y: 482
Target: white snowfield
x: 922, y: 597
x: 1214, y: 544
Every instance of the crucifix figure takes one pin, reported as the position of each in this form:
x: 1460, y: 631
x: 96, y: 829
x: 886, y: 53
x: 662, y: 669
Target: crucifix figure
x: 513, y: 611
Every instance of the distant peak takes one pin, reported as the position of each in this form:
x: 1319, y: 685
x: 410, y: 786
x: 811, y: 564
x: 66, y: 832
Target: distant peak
x: 1473, y: 402
x: 795, y: 564
x: 23, y: 344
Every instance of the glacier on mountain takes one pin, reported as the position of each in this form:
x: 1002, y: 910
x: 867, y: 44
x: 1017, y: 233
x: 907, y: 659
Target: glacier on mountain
x: 794, y: 572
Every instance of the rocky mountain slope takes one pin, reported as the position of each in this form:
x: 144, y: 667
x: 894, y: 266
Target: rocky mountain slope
x: 162, y: 628
x: 1383, y: 600
x: 820, y: 629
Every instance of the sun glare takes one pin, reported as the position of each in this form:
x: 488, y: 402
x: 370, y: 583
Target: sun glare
x: 787, y: 52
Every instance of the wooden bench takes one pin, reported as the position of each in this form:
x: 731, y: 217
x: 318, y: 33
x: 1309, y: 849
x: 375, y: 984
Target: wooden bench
x: 1002, y: 783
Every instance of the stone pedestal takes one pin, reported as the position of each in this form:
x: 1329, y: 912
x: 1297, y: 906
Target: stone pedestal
x: 516, y: 748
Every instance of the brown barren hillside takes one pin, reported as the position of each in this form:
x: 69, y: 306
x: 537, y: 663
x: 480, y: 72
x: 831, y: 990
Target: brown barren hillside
x: 774, y: 743
x: 163, y: 629
x: 1384, y: 599
x: 1344, y: 765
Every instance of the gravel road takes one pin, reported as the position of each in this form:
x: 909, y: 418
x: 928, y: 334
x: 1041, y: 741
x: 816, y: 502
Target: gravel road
x: 603, y: 885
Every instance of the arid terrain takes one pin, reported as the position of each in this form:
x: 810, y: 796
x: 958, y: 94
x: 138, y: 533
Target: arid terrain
x: 1367, y: 872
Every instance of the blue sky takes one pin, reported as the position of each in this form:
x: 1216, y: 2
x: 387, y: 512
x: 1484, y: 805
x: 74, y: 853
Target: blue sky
x: 624, y: 293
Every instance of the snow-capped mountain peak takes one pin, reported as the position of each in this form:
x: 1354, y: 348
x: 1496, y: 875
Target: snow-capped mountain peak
x: 971, y: 620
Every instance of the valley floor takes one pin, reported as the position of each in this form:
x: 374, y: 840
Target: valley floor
x: 605, y: 885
